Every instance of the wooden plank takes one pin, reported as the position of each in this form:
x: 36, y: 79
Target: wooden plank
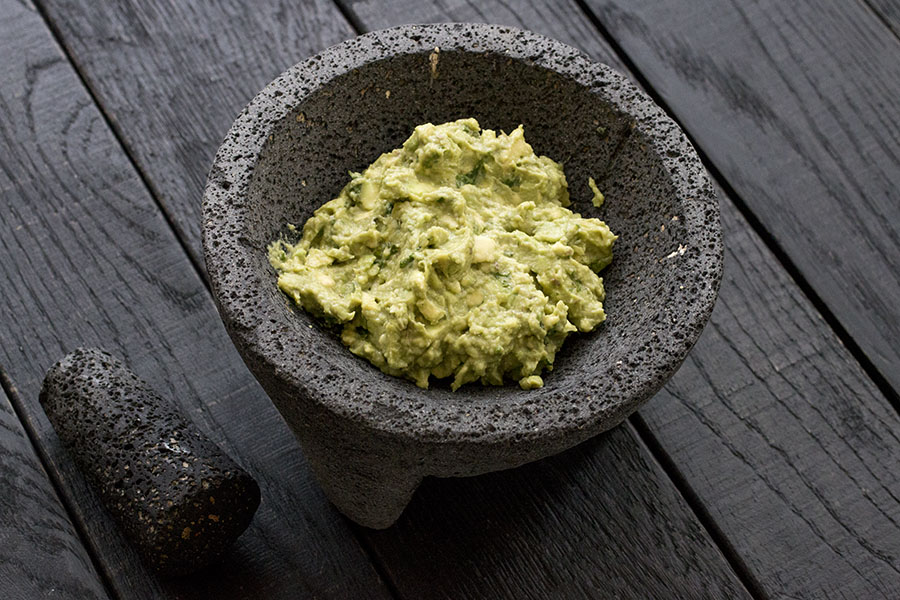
x: 87, y: 259
x: 774, y: 430
x: 780, y: 563
x: 684, y: 559
x: 40, y: 551
x: 168, y: 69
x: 562, y: 20
x: 888, y: 11
x: 795, y: 104
x: 785, y: 442
x: 599, y: 521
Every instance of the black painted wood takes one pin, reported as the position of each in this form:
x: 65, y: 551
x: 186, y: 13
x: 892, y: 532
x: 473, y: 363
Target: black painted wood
x: 773, y: 430
x: 783, y: 440
x: 86, y: 258
x: 41, y: 554
x: 562, y: 20
x: 599, y: 521
x: 166, y: 74
x: 888, y: 11
x: 686, y: 559
x: 821, y: 508
x: 795, y: 103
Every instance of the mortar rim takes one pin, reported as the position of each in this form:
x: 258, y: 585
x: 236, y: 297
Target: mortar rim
x: 231, y: 175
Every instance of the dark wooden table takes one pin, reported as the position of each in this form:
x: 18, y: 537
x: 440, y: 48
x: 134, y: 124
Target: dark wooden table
x: 769, y: 467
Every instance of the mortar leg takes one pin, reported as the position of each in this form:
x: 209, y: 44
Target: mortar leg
x: 369, y: 480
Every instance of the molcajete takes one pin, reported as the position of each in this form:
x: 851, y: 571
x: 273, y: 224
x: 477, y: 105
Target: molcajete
x: 370, y: 438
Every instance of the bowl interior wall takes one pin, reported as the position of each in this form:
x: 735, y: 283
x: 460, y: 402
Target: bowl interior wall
x: 347, y: 124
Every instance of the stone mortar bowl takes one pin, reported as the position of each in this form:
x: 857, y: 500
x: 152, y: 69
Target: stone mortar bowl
x: 370, y: 438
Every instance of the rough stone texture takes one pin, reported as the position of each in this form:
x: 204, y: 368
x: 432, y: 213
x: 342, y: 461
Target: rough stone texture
x: 371, y: 437
x: 179, y: 499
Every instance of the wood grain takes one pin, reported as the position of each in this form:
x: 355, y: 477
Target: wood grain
x: 888, y: 11
x: 795, y: 103
x: 685, y: 560
x: 819, y: 508
x: 599, y: 521
x: 41, y: 554
x: 784, y: 441
x: 87, y: 259
x: 771, y: 426
x: 562, y: 20
x: 166, y: 72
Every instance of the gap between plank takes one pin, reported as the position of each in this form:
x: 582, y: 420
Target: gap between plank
x: 772, y: 244
x: 380, y: 568
x: 880, y: 16
x: 200, y: 271
x: 18, y: 406
x: 734, y: 560
x: 742, y: 572
x: 646, y: 436
x: 350, y: 17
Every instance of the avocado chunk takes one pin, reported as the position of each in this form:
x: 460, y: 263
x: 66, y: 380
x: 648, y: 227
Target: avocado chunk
x: 453, y: 256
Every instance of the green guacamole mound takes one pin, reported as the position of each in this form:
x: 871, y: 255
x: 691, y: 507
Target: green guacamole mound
x: 452, y: 256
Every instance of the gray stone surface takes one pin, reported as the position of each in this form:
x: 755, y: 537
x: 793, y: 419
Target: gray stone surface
x: 370, y: 437
x: 179, y: 499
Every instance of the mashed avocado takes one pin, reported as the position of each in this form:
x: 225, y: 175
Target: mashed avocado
x: 452, y: 256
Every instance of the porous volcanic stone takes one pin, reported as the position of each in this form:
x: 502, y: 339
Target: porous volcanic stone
x: 179, y: 499
x: 370, y: 437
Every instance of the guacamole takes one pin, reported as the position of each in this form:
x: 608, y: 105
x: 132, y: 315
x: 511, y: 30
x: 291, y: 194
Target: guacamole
x: 452, y: 256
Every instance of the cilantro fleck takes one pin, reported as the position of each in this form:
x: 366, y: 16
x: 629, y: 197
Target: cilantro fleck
x: 512, y: 181
x: 471, y: 176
